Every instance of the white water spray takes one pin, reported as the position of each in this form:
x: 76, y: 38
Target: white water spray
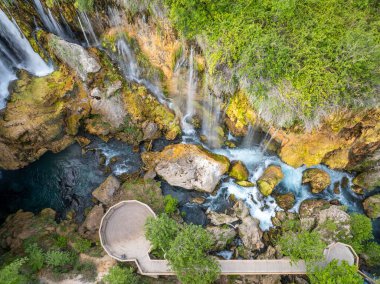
x: 7, y: 76
x: 87, y: 29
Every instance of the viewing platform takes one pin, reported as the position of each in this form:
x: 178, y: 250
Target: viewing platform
x: 122, y: 237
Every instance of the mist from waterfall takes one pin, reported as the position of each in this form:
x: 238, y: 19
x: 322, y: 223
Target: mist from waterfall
x: 211, y: 120
x: 7, y: 76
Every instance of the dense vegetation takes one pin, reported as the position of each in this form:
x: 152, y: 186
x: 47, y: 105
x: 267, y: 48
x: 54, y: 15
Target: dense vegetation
x: 336, y: 273
x: 185, y: 247
x: 300, y: 56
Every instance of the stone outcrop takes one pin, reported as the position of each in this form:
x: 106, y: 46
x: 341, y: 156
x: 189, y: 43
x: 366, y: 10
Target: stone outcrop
x: 372, y: 206
x: 218, y: 219
x: 285, y: 201
x: 238, y: 171
x: 317, y: 178
x: 250, y: 233
x: 239, y: 114
x: 188, y: 166
x: 221, y: 236
x: 269, y: 179
x: 74, y: 56
x: 40, y: 117
x: 310, y: 207
x: 90, y: 226
x: 106, y: 191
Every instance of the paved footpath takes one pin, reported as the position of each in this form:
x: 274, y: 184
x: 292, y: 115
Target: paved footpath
x: 122, y: 237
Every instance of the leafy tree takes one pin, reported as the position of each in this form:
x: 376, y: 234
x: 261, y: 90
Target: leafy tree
x: 335, y: 273
x: 304, y: 245
x: 119, y: 275
x: 10, y: 273
x: 372, y: 252
x: 171, y: 204
x: 361, y: 230
x: 161, y: 232
x: 36, y: 257
x: 188, y: 256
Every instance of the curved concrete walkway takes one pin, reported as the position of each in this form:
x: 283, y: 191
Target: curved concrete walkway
x: 122, y: 236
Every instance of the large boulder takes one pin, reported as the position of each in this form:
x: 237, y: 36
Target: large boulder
x: 74, y: 56
x: 105, y: 192
x: 218, y: 219
x: 221, y: 236
x: 369, y: 179
x: 317, y: 178
x: 239, y: 171
x: 188, y: 166
x: 285, y: 201
x: 310, y: 207
x: 91, y: 224
x: 250, y: 233
x: 269, y: 179
x: 372, y: 206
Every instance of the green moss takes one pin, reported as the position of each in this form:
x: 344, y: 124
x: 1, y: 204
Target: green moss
x: 239, y: 171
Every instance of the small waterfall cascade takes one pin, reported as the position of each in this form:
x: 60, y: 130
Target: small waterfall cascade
x: 17, y: 51
x: 129, y: 66
x: 249, y: 137
x: 187, y: 127
x: 87, y: 29
x: 51, y: 23
x: 7, y: 76
x: 211, y: 120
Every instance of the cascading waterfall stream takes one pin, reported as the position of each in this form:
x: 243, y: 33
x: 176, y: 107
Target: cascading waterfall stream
x: 211, y: 120
x: 51, y: 23
x: 16, y: 53
x: 187, y: 127
x: 87, y: 29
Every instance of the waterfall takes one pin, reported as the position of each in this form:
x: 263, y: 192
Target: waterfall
x: 16, y: 49
x: 7, y: 75
x: 191, y: 86
x: 249, y: 137
x: 50, y: 23
x: 16, y: 53
x: 210, y: 121
x: 87, y: 29
x: 129, y: 66
x: 187, y: 127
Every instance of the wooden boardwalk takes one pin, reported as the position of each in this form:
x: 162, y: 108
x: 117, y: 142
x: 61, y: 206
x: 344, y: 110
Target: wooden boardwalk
x: 122, y: 236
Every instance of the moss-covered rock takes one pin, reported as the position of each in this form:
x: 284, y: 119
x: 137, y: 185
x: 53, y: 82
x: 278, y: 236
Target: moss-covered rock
x: 369, y: 180
x: 372, y: 206
x: 317, y: 178
x: 238, y: 171
x: 285, y: 201
x: 269, y: 179
x: 43, y: 114
x: 245, y: 183
x: 239, y: 114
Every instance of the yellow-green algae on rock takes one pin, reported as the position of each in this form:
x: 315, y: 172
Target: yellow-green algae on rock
x: 269, y: 179
x: 239, y: 114
x: 239, y: 171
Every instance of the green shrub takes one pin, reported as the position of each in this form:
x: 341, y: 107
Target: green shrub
x: 372, y: 251
x: 161, y: 232
x: 36, y: 257
x: 58, y: 259
x: 61, y: 242
x: 87, y: 269
x: 335, y: 273
x: 304, y: 245
x: 81, y: 245
x: 10, y: 274
x: 361, y: 230
x: 188, y: 256
x: 119, y: 275
x: 171, y: 204
x: 84, y: 5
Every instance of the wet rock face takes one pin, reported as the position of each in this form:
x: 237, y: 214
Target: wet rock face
x: 285, y: 201
x: 193, y: 213
x: 372, y: 206
x: 188, y: 166
x: 318, y: 179
x: 270, y: 178
x: 74, y: 56
x: 91, y: 224
x: 106, y: 191
x: 239, y: 171
x: 40, y: 117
